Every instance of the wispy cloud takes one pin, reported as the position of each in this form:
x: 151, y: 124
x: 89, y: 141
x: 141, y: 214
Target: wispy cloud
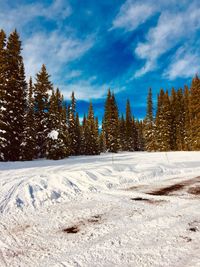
x: 86, y: 89
x: 22, y: 14
x: 178, y: 22
x: 55, y: 49
x: 131, y: 15
x: 172, y: 28
x: 73, y: 74
x: 184, y: 64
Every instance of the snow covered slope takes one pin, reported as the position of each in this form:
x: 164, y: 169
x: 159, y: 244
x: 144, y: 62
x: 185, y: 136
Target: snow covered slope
x: 106, y: 210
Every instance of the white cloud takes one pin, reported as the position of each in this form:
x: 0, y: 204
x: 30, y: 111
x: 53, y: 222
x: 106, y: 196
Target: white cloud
x: 184, y: 64
x: 54, y: 49
x: 132, y: 14
x: 149, y: 65
x: 71, y: 48
x: 88, y: 89
x: 178, y: 22
x: 171, y: 29
x: 73, y: 74
x: 21, y: 15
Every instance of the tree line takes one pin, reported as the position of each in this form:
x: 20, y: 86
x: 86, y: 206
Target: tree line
x: 36, y: 122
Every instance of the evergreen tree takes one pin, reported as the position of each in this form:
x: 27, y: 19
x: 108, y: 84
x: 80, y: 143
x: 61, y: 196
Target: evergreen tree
x: 135, y: 135
x: 149, y: 126
x: 111, y: 123
x: 163, y: 122
x: 56, y: 144
x: 195, y: 113
x: 29, y: 138
x: 174, y: 111
x: 83, y: 145
x: 122, y: 133
x: 77, y: 147
x: 140, y: 131
x: 3, y: 106
x: 180, y: 121
x: 96, y: 132
x: 14, y: 98
x: 187, y: 127
x: 42, y: 88
x: 158, y: 120
x: 129, y: 129
x: 92, y: 146
x: 102, y: 142
x: 72, y: 125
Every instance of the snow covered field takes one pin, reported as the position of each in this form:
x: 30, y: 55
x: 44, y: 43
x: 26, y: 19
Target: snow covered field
x: 127, y: 209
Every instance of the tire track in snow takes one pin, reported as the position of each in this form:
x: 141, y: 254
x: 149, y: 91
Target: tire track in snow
x: 8, y: 197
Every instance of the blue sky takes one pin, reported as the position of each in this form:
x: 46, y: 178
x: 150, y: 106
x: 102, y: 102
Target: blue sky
x: 91, y: 45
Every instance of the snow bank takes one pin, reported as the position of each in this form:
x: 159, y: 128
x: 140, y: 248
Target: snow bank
x: 30, y: 185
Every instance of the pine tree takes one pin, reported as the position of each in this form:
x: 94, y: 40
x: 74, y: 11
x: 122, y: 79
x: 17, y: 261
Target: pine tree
x: 83, y: 145
x: 163, y: 122
x: 64, y: 126
x: 3, y: 111
x: 29, y: 138
x: 15, y: 98
x: 174, y: 111
x: 180, y: 121
x: 111, y: 123
x: 195, y: 113
x: 72, y: 125
x: 102, y: 142
x: 135, y: 135
x: 158, y: 120
x: 96, y: 133
x: 149, y: 126
x: 129, y: 129
x: 42, y: 89
x: 140, y: 131
x: 187, y: 126
x: 77, y: 147
x: 122, y: 133
x: 92, y: 146
x: 107, y: 118
x: 57, y: 138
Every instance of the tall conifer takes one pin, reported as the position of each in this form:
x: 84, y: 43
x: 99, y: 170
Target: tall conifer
x: 111, y: 123
x: 187, y: 128
x: 29, y: 137
x: 57, y: 146
x: 122, y: 133
x: 72, y: 125
x: 163, y: 139
x: 91, y: 133
x: 15, y: 98
x: 129, y: 129
x: 3, y: 106
x: 195, y: 113
x: 42, y: 90
x: 180, y: 121
x: 77, y: 147
x: 149, y: 126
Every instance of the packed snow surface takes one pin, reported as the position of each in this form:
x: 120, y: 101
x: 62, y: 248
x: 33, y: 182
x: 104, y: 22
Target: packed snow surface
x: 128, y: 209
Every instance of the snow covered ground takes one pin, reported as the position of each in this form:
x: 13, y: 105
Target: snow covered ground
x: 127, y: 209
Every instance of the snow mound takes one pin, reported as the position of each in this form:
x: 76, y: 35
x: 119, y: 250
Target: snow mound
x: 30, y: 185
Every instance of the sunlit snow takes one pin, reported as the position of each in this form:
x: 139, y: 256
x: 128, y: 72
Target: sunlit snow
x: 127, y: 209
